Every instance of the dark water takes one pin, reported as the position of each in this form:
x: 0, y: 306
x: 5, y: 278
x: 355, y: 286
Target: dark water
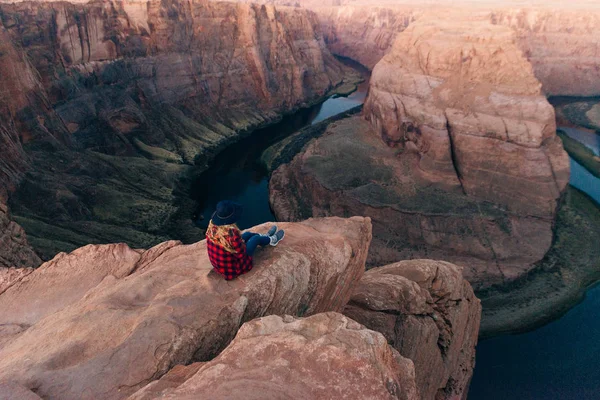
x: 557, y: 361
x: 560, y: 360
x: 237, y: 175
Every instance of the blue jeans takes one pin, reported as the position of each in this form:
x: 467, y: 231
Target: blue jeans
x: 253, y: 240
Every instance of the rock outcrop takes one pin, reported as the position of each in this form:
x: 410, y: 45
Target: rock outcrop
x: 460, y: 161
x: 326, y: 356
x: 428, y: 312
x: 467, y: 102
x: 113, y: 101
x: 350, y: 171
x: 132, y: 314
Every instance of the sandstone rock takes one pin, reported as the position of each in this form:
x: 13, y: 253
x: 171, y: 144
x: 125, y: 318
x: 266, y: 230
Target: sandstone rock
x: 326, y: 356
x: 430, y: 315
x: 473, y: 172
x: 364, y: 33
x: 163, y: 307
x: 559, y: 42
x: 350, y: 171
x: 468, y: 100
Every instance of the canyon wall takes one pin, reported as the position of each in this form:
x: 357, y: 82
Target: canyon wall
x: 558, y: 38
x: 459, y: 160
x: 110, y: 103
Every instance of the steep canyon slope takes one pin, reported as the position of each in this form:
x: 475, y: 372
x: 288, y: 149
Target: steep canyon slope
x: 109, y: 104
x: 459, y: 161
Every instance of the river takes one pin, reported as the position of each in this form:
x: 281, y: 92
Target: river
x: 557, y: 361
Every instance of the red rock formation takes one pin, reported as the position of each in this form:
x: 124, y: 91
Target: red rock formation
x: 14, y: 247
x: 364, y: 33
x: 560, y: 42
x: 467, y: 102
x: 326, y: 356
x: 427, y: 312
x: 132, y: 315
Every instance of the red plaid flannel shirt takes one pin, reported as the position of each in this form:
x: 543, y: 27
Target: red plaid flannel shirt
x: 230, y: 265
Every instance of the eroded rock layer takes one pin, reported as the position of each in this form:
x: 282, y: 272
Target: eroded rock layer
x: 428, y: 312
x: 129, y: 316
x: 325, y: 356
x: 113, y: 101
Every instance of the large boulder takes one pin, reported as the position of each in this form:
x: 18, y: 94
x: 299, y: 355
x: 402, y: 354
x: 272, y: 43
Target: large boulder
x: 135, y: 314
x: 326, y: 356
x: 428, y: 312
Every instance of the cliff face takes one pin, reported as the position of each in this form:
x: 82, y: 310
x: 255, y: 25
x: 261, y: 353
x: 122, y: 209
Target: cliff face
x: 428, y: 312
x: 460, y: 160
x: 131, y: 315
x: 560, y: 44
x: 127, y: 94
x: 20, y: 89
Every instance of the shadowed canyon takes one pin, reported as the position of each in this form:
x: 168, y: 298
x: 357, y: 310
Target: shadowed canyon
x: 435, y: 167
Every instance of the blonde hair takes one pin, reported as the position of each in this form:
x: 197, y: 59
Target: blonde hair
x: 222, y: 235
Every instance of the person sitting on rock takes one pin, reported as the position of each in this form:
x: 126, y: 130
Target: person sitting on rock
x: 230, y: 252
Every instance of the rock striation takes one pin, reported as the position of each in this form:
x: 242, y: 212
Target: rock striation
x: 459, y: 160
x: 325, y: 356
x: 428, y: 312
x: 112, y: 102
x: 133, y: 314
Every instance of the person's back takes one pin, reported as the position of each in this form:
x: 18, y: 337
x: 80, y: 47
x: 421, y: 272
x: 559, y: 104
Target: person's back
x: 230, y: 252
